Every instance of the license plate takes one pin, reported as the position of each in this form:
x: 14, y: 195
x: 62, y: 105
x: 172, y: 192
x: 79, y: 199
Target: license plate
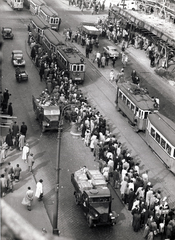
x: 77, y: 78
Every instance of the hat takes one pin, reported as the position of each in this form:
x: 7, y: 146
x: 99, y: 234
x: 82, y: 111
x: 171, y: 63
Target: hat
x: 149, y: 183
x: 41, y: 180
x: 27, y: 144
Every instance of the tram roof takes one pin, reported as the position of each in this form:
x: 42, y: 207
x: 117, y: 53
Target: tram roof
x: 53, y: 37
x: 71, y: 53
x: 137, y: 96
x: 49, y: 11
x: 40, y: 23
x: 164, y: 125
x: 38, y: 2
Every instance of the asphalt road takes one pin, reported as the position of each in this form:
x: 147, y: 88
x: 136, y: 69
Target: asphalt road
x: 74, y: 154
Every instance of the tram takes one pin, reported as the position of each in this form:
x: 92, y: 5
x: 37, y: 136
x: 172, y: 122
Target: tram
x: 69, y: 58
x: 135, y: 103
x: 51, y: 16
x: 35, y: 6
x: 37, y: 27
x: 16, y: 4
x: 50, y: 41
x: 160, y: 136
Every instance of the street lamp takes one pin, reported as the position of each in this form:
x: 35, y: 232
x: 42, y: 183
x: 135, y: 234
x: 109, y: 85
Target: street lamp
x: 56, y: 201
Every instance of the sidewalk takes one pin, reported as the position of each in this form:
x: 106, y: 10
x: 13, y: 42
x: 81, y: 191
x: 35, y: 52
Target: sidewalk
x: 38, y: 216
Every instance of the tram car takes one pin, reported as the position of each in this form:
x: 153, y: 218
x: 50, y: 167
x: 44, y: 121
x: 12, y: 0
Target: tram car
x: 35, y: 6
x: 70, y: 58
x: 136, y: 104
x: 50, y: 16
x: 160, y: 136
x: 50, y: 41
x: 16, y: 4
x: 37, y: 27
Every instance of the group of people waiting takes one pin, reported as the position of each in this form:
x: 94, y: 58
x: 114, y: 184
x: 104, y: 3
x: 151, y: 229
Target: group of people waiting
x: 150, y: 210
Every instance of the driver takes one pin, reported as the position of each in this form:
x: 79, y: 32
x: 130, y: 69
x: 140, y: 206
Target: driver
x: 18, y: 71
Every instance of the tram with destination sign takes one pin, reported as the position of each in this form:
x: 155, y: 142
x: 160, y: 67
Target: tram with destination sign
x: 16, y: 4
x: 69, y: 58
x: 50, y: 16
x: 135, y: 103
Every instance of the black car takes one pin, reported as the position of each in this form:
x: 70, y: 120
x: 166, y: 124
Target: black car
x: 7, y: 33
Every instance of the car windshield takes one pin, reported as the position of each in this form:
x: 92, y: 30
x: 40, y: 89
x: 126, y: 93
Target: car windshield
x: 114, y: 50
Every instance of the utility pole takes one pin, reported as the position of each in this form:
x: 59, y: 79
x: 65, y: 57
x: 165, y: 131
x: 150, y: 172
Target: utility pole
x: 57, y: 185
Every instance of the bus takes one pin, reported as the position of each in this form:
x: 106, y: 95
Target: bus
x: 69, y: 58
x: 16, y: 4
x: 51, y: 16
x: 50, y: 41
x: 160, y: 136
x: 135, y: 103
x: 37, y: 27
x: 35, y: 6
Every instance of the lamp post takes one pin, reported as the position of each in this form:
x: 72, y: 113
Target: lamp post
x: 56, y: 200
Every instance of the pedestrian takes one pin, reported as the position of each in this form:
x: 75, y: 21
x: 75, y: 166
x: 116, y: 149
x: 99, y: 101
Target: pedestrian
x: 23, y: 129
x: 15, y: 129
x: 111, y: 75
x: 10, y: 109
x: 31, y: 161
x: 131, y: 197
x: 9, y: 140
x: 21, y: 141
x: 113, y: 61
x: 6, y: 96
x: 116, y: 178
x: 25, y: 152
x: 28, y: 199
x: 3, y: 182
x: 17, y: 172
x: 39, y: 190
x: 3, y: 153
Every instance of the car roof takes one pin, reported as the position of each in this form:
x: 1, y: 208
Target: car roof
x: 6, y: 28
x: 17, y: 51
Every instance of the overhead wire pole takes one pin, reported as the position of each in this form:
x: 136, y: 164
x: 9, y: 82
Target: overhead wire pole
x: 56, y: 200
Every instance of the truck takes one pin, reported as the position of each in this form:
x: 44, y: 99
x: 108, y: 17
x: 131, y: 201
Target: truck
x: 94, y: 197
x: 47, y: 115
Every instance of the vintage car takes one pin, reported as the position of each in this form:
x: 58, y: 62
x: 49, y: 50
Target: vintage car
x: 112, y: 51
x: 21, y: 75
x: 17, y: 58
x: 7, y: 33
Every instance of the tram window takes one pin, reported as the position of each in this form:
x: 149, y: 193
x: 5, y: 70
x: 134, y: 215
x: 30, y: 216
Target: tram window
x: 52, y: 20
x: 163, y: 143
x: 56, y: 20
x: 153, y: 132
x: 120, y: 94
x: 74, y: 68
x: 128, y: 103
x: 168, y: 149
x: 78, y: 68
x: 174, y: 153
x: 157, y: 137
x: 124, y: 99
x: 146, y: 115
x: 132, y: 107
x: 81, y: 68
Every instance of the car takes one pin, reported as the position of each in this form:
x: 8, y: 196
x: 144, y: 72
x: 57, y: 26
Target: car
x: 17, y: 58
x: 112, y: 51
x: 7, y: 33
